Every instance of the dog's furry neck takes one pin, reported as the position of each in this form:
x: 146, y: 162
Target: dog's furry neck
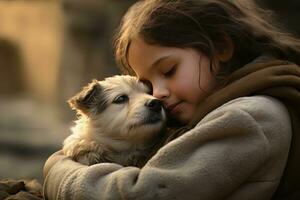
x: 111, y: 149
x: 95, y: 133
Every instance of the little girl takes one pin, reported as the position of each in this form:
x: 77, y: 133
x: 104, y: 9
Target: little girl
x: 226, y: 77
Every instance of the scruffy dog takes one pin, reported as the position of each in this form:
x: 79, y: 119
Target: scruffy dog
x: 119, y: 122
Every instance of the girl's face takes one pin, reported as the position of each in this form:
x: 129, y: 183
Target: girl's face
x: 181, y: 78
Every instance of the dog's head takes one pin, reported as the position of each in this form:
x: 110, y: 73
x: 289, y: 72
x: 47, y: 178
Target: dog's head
x: 120, y: 107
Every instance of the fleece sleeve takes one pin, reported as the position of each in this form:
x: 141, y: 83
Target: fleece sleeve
x: 209, y: 161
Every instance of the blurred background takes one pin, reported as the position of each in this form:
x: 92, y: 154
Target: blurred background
x: 49, y: 49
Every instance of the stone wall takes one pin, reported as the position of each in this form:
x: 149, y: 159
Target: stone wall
x: 36, y: 28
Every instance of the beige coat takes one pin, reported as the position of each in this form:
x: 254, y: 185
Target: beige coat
x: 237, y: 151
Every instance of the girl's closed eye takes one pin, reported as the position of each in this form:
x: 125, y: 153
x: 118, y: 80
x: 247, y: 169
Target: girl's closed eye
x: 170, y: 72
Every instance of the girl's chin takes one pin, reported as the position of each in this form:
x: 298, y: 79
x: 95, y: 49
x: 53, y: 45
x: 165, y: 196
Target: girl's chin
x: 176, y: 121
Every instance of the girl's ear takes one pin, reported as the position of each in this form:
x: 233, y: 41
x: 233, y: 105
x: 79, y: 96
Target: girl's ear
x: 225, y: 51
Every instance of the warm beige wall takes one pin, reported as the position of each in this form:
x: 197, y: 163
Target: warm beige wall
x: 36, y: 27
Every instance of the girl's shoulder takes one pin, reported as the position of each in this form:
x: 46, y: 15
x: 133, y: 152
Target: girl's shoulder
x: 254, y: 103
x: 258, y: 105
x: 265, y: 110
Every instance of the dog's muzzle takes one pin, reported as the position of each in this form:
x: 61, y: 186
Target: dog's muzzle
x: 155, y: 107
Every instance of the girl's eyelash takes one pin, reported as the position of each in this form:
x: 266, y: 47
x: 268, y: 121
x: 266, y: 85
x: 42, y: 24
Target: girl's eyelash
x: 170, y: 72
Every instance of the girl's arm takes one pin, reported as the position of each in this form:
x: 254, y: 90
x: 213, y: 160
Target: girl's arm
x: 211, y: 161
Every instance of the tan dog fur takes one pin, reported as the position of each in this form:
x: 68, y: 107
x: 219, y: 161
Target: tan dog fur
x: 119, y: 122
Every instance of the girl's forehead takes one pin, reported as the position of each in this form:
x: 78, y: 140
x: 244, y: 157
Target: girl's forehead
x: 139, y: 47
x: 142, y: 54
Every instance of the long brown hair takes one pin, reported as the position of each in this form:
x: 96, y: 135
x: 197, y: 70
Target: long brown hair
x: 203, y: 25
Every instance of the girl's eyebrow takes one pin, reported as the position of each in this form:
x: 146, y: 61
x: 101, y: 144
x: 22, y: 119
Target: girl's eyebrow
x: 156, y: 63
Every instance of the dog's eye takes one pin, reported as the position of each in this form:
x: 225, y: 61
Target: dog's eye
x: 121, y: 99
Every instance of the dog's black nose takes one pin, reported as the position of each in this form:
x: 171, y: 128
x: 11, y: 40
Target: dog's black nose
x: 154, y: 105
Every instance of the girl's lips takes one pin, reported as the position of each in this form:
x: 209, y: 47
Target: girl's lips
x: 173, y: 107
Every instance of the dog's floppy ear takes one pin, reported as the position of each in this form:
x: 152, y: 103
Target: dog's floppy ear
x: 87, y: 100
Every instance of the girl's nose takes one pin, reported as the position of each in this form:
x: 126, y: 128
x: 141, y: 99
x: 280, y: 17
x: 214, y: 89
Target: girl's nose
x: 160, y: 93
